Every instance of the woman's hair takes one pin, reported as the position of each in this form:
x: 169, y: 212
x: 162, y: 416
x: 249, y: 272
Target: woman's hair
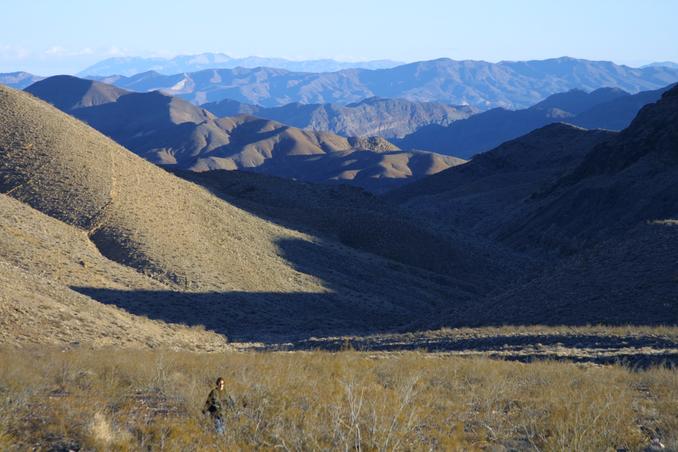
x: 219, y: 381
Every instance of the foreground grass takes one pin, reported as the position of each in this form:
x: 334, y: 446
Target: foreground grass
x: 110, y: 399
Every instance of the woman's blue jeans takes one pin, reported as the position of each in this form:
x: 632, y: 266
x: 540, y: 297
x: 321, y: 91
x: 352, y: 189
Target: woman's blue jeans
x: 219, y: 426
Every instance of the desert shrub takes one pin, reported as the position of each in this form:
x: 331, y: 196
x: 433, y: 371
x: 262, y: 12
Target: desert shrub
x: 112, y: 399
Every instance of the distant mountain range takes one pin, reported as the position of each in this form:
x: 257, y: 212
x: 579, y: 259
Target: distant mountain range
x: 458, y: 131
x: 476, y: 83
x: 375, y: 116
x: 511, y: 85
x: 19, y: 80
x: 605, y: 108
x: 669, y: 64
x: 193, y: 63
x: 170, y: 131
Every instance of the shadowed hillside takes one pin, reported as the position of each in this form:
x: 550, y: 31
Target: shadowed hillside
x: 69, y: 93
x: 617, y: 114
x: 363, y: 221
x: 604, y: 227
x: 484, y: 193
x: 622, y: 182
x: 568, y: 186
x: 627, y: 280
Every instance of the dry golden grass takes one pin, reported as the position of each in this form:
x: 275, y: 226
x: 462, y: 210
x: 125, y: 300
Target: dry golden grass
x: 107, y: 399
x: 40, y: 258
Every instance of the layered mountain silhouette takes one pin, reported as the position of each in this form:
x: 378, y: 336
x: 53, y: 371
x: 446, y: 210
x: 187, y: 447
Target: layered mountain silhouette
x: 169, y: 131
x: 618, y: 113
x: 387, y: 118
x: 18, y: 80
x: 70, y: 93
x: 87, y: 222
x: 605, y: 108
x: 477, y: 83
x: 192, y: 63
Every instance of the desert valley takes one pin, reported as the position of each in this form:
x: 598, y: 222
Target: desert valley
x: 441, y: 254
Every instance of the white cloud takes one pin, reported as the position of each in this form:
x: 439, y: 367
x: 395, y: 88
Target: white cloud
x: 55, y: 51
x: 58, y: 51
x: 10, y: 52
x: 115, y: 51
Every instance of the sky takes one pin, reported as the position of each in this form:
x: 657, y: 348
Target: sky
x: 64, y: 36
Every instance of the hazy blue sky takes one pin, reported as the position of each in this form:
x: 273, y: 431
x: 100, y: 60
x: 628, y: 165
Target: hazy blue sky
x: 61, y: 36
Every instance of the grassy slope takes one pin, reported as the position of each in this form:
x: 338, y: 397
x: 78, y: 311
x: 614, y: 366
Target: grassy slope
x: 40, y: 258
x: 247, y: 275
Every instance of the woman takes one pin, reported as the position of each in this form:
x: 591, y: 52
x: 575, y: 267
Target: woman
x: 215, y: 404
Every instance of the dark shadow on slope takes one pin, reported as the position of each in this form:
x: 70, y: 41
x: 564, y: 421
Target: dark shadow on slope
x: 358, y: 302
x: 247, y: 316
x: 299, y: 321
x: 364, y: 295
x: 362, y: 221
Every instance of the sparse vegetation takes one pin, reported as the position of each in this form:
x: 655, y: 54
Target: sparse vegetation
x: 119, y: 283
x: 112, y: 399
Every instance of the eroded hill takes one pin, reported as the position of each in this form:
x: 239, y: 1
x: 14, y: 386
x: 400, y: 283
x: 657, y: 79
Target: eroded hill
x: 169, y: 131
x: 375, y: 116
